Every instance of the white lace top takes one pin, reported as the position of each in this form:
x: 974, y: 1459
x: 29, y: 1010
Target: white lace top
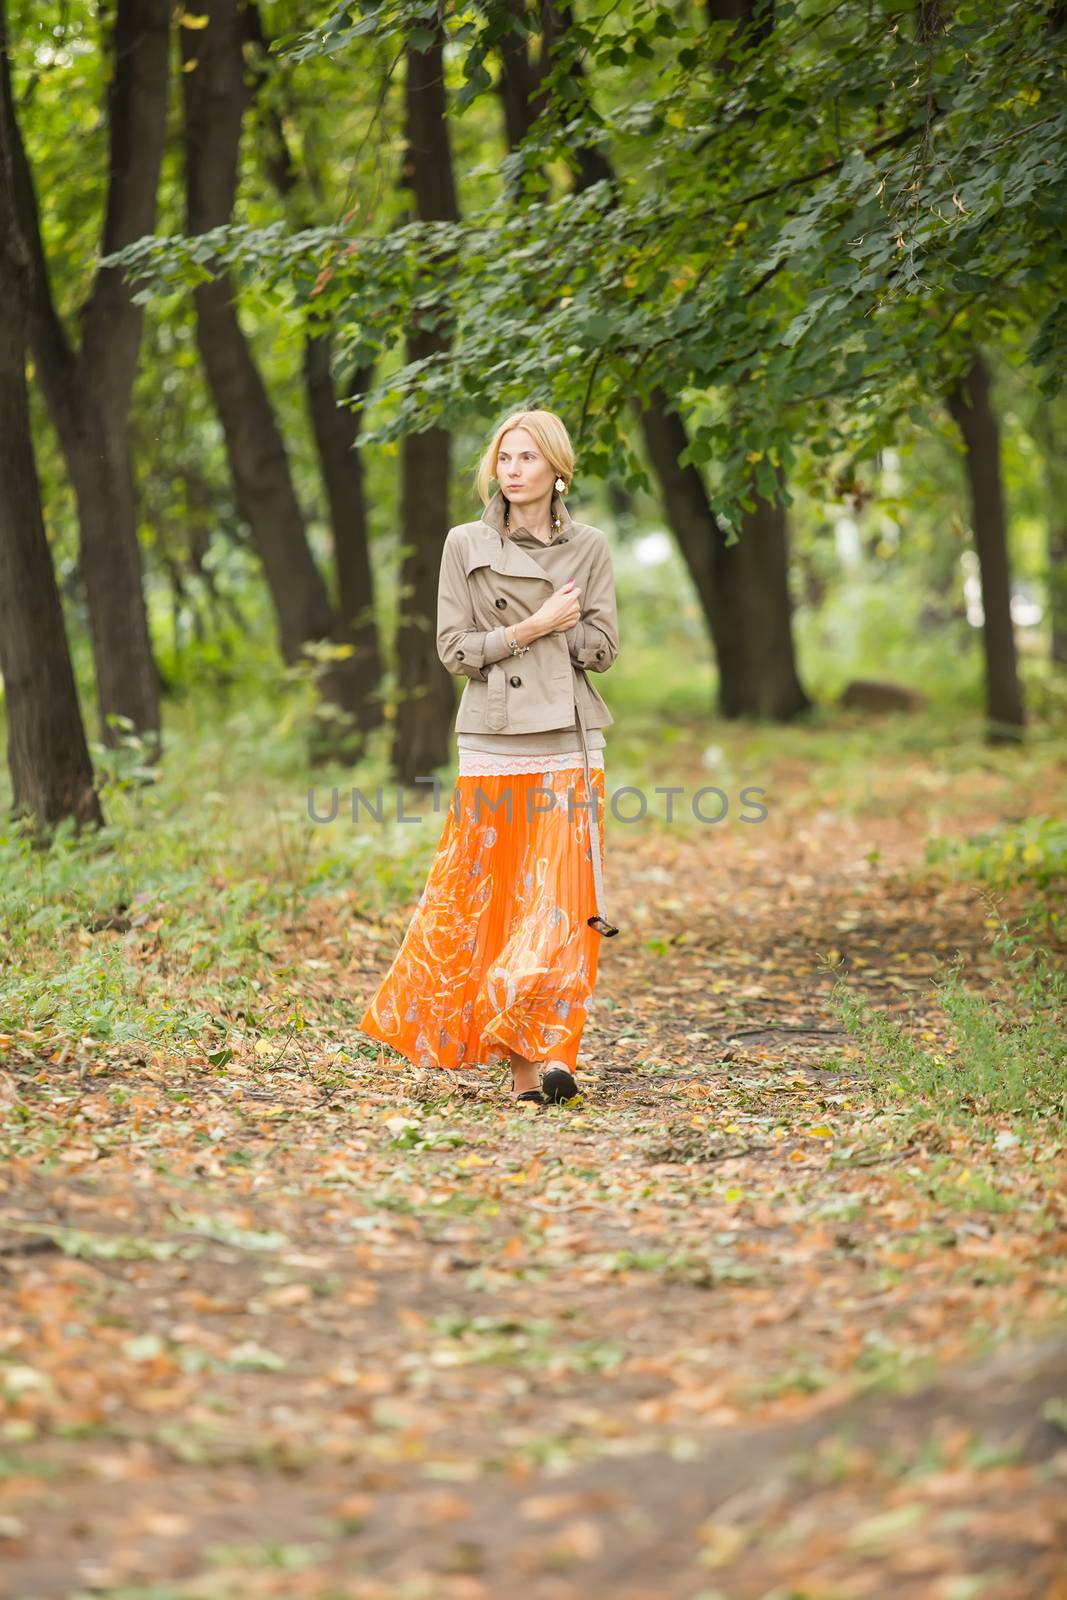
x: 490, y: 763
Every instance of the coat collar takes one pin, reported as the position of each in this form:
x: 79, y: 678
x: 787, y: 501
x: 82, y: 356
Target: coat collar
x: 493, y: 515
x: 504, y: 555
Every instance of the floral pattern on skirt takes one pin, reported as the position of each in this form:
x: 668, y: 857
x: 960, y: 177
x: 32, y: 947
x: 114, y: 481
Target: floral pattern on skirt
x: 499, y: 954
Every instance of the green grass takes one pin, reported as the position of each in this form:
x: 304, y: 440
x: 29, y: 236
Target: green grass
x: 1001, y: 1052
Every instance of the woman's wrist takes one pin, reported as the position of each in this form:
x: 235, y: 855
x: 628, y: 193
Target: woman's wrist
x: 524, y: 632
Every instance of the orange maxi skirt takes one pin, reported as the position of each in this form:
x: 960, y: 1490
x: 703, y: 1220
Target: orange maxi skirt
x: 499, y: 955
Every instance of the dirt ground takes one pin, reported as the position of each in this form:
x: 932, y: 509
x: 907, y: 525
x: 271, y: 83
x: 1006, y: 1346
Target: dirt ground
x: 311, y: 1323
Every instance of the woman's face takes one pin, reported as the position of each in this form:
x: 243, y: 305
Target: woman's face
x: 523, y: 473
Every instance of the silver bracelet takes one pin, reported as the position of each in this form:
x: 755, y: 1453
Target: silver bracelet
x: 516, y: 649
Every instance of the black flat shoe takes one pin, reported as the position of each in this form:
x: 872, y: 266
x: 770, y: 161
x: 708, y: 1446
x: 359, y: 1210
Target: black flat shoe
x: 559, y: 1085
x: 533, y: 1095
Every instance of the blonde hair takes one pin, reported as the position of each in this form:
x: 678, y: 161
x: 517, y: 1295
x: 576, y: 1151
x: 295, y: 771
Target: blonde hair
x: 550, y: 436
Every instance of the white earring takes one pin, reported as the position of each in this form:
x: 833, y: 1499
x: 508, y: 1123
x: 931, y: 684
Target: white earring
x: 560, y: 485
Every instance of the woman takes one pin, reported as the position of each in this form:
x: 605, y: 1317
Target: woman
x: 500, y: 958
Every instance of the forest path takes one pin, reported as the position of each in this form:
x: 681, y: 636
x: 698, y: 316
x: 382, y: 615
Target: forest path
x: 300, y: 1325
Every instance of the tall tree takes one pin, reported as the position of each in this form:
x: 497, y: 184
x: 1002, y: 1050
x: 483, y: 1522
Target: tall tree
x: 216, y: 95
x: 47, y: 753
x: 425, y: 691
x: 750, y: 578
x: 335, y: 419
x: 743, y: 587
x: 88, y: 386
x: 971, y: 406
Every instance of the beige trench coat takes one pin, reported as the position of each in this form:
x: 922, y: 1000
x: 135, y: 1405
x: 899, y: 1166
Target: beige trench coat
x: 486, y: 584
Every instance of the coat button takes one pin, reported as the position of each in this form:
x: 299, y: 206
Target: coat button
x: 515, y: 682
x: 459, y: 655
x: 600, y: 655
x: 501, y: 603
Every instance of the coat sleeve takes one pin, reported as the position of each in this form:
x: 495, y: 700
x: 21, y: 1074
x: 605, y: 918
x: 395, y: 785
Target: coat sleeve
x: 593, y: 642
x: 464, y: 649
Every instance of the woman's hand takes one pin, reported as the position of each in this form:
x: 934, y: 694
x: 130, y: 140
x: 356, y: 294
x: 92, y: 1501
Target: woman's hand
x: 561, y: 610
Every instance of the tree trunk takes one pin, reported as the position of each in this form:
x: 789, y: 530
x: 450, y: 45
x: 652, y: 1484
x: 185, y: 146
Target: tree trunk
x: 743, y: 587
x: 1057, y: 581
x: 758, y: 673
x: 216, y: 97
x: 47, y: 753
x: 88, y: 391
x: 425, y: 692
x: 517, y: 88
x: 1050, y: 433
x: 685, y: 502
x: 334, y: 425
x: 757, y: 569
x: 971, y: 409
